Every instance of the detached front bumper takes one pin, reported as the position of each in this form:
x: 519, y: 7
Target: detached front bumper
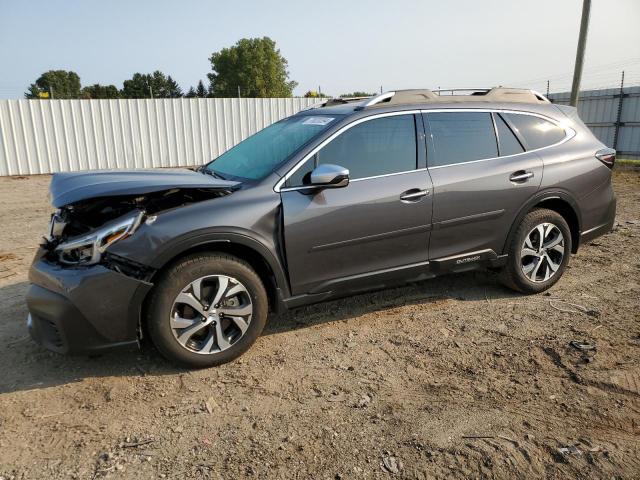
x: 84, y: 309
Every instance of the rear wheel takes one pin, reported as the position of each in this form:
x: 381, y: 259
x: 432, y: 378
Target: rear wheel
x: 207, y: 310
x: 538, y: 252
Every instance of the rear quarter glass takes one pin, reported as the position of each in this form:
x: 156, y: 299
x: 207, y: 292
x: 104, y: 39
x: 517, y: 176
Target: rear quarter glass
x: 537, y: 132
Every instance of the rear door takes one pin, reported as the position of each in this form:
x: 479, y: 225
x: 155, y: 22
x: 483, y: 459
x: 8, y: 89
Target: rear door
x: 481, y: 175
x: 344, y: 238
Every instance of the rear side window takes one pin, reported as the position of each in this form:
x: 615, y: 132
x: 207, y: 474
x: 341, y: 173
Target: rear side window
x: 507, y: 141
x: 374, y: 147
x: 459, y: 137
x: 537, y: 132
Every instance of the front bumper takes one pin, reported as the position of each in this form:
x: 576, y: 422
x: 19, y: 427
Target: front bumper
x: 84, y: 309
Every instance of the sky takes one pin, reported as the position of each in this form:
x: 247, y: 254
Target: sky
x: 340, y: 46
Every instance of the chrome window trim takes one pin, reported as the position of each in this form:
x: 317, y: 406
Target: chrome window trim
x: 307, y: 187
x: 388, y: 175
x: 278, y: 186
x: 569, y: 132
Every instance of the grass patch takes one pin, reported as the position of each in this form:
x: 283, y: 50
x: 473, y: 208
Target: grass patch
x: 634, y: 162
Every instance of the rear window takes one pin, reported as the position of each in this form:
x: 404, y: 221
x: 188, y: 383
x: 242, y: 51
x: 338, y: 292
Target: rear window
x: 459, y: 137
x: 537, y: 132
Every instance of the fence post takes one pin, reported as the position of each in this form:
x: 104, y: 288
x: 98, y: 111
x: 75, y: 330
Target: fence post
x: 619, y: 114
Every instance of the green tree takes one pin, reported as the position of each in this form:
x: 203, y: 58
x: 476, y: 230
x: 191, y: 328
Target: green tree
x: 62, y: 83
x: 255, y: 66
x: 100, y: 91
x: 201, y: 91
x: 151, y: 85
x: 357, y: 94
x: 314, y: 94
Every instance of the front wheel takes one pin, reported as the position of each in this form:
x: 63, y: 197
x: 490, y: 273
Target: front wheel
x: 207, y: 310
x: 538, y: 252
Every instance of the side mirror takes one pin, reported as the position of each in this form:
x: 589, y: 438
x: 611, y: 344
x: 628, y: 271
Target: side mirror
x: 329, y: 176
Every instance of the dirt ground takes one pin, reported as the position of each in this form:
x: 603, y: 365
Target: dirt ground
x: 455, y: 377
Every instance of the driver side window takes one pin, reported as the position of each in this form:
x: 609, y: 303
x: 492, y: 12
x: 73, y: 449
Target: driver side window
x: 375, y: 147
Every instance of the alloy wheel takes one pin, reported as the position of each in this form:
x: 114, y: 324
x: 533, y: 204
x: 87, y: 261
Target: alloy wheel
x: 542, y: 252
x: 211, y: 314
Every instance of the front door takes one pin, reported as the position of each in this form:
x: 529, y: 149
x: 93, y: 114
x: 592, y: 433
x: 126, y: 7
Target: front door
x: 381, y: 221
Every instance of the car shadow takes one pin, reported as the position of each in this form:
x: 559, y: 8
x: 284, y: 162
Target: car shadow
x: 469, y: 286
x: 28, y: 366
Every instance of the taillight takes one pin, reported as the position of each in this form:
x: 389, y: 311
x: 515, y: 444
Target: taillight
x: 607, y: 156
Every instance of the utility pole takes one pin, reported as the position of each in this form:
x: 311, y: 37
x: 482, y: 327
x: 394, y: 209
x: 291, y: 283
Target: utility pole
x: 150, y: 90
x: 547, y: 88
x: 238, y: 91
x: 51, y: 92
x: 582, y: 43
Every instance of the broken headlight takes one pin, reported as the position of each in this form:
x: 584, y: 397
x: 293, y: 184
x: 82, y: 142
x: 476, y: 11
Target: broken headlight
x: 88, y: 249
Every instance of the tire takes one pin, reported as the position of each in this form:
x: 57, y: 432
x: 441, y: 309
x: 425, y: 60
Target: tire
x: 530, y: 266
x: 188, y: 331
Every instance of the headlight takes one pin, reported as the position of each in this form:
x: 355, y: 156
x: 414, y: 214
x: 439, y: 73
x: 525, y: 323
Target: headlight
x: 87, y: 249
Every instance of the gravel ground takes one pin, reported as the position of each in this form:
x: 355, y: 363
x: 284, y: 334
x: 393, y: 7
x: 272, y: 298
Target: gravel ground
x: 455, y: 377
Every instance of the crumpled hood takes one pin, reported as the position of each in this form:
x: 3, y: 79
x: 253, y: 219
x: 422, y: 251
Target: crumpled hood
x: 71, y: 187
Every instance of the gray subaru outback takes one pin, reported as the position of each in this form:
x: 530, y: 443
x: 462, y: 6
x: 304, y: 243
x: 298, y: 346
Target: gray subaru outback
x: 350, y: 195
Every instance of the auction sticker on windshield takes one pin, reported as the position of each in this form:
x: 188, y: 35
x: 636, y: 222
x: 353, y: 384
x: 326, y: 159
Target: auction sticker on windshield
x: 318, y: 120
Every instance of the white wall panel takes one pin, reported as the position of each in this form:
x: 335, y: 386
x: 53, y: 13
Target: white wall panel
x: 46, y: 136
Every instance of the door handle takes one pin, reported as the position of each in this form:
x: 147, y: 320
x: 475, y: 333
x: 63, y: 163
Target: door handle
x: 520, y: 176
x: 413, y: 195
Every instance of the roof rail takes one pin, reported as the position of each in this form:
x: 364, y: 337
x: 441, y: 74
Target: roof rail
x: 343, y: 100
x: 540, y: 96
x: 314, y: 105
x: 329, y: 102
x: 417, y: 96
x: 378, y: 98
x: 484, y: 89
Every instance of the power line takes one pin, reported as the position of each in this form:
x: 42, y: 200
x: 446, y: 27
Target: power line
x: 617, y: 66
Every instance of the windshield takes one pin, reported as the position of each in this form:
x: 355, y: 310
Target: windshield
x: 258, y: 155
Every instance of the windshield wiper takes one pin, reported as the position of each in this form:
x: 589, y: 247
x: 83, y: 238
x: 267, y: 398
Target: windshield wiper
x: 207, y: 171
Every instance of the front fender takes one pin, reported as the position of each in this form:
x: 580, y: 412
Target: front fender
x: 191, y: 240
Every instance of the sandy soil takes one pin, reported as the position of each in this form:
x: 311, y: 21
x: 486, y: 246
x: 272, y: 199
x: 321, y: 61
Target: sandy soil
x: 454, y: 377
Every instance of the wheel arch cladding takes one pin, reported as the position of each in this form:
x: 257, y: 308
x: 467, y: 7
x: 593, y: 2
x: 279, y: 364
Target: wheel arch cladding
x: 567, y: 211
x: 249, y: 254
x: 560, y: 203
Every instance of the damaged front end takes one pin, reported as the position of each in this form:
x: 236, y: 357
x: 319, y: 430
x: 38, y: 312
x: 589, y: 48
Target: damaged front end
x: 99, y: 208
x: 84, y: 298
x: 80, y: 234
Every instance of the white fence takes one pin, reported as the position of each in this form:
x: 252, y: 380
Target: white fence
x: 46, y: 136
